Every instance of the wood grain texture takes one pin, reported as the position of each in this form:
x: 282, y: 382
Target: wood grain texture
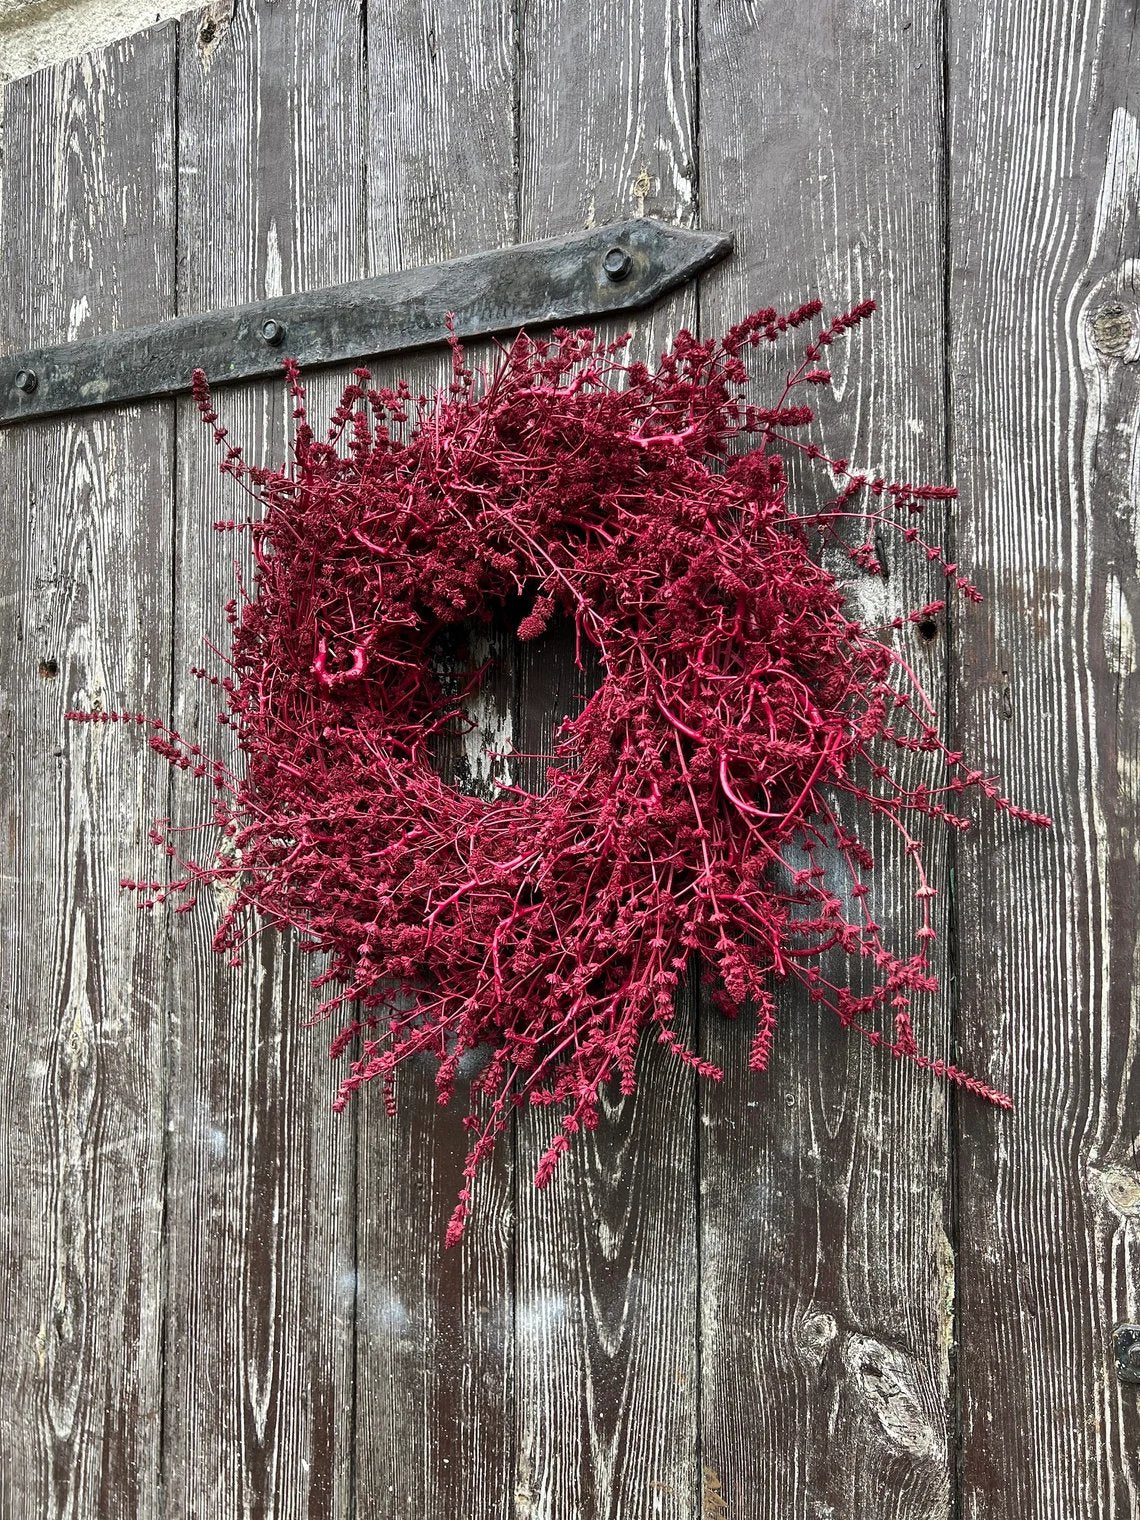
x: 260, y: 1214
x: 1046, y: 409
x: 606, y: 1321
x: 434, y: 1380
x: 88, y: 244
x: 759, y: 1300
x: 827, y: 1273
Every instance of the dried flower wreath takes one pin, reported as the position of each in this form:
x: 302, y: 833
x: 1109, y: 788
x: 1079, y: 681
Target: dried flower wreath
x: 691, y: 811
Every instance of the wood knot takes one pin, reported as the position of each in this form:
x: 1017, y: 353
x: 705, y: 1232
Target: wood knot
x: 213, y: 24
x: 885, y: 1381
x: 1113, y: 328
x: 814, y: 1334
x: 1120, y: 1188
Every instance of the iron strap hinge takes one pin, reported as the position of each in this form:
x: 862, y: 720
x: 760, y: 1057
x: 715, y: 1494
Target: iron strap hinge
x: 606, y: 270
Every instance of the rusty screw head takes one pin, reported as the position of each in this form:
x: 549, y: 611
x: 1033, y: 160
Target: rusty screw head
x: 26, y: 381
x: 273, y: 332
x: 617, y: 263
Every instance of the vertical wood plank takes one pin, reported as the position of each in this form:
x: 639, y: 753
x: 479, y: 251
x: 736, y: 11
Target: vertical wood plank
x: 606, y: 1339
x: 826, y: 1267
x: 1046, y: 411
x: 261, y: 1245
x: 434, y: 1433
x: 88, y: 246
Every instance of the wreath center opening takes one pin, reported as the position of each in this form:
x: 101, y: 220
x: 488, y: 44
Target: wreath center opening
x: 509, y: 698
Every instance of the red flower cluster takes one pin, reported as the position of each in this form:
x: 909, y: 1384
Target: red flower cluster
x: 690, y: 813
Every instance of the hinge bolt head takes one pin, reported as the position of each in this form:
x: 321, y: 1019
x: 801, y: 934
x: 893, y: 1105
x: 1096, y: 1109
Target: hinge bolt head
x: 1126, y: 1351
x: 26, y: 381
x: 617, y: 263
x: 273, y: 331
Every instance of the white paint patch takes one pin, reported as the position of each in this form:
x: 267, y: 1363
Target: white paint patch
x: 1119, y: 633
x: 392, y: 1314
x: 609, y: 1240
x: 471, y: 1062
x: 80, y: 311
x: 491, y: 739
x: 540, y: 1314
x: 225, y: 892
x: 273, y: 281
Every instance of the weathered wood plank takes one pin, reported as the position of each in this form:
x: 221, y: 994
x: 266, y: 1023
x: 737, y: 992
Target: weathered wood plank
x: 88, y: 245
x: 606, y: 1325
x: 258, y: 1401
x: 1045, y: 133
x: 826, y: 1268
x: 434, y: 1433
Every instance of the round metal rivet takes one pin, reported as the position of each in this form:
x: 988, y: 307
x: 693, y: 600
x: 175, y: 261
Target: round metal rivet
x: 273, y: 331
x: 1126, y: 1352
x: 617, y: 263
x: 26, y: 381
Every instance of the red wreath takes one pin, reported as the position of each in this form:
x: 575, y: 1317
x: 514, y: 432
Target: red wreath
x: 691, y: 810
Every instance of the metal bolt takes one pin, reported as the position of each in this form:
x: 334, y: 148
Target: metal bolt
x: 617, y: 263
x: 1126, y: 1351
x: 273, y: 331
x: 26, y: 381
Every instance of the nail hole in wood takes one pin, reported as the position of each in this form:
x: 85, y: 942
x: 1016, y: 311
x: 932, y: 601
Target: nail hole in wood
x: 48, y: 670
x: 928, y: 630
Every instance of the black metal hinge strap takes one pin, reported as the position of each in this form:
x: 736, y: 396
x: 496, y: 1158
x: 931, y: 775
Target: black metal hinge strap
x: 589, y: 274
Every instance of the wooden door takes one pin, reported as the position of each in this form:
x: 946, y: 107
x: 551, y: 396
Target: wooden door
x: 832, y: 1292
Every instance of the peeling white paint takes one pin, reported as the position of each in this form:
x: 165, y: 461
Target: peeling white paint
x: 274, y: 285
x: 490, y: 740
x: 80, y: 311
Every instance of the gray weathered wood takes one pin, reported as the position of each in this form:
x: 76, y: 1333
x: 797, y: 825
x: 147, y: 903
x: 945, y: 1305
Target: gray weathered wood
x: 606, y: 1325
x: 434, y: 1427
x: 88, y: 242
x: 216, y: 1298
x: 260, y: 1233
x: 827, y: 1274
x: 1045, y: 210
